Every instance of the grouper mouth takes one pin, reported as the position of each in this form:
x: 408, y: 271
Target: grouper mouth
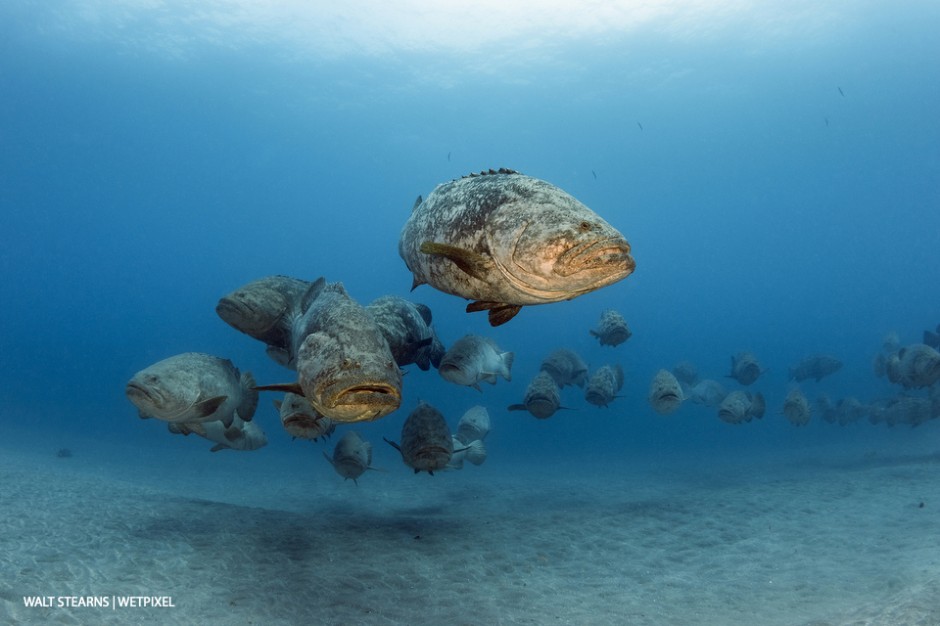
x: 143, y: 393
x: 378, y: 396
x: 154, y: 398
x: 611, y: 255
x: 541, y: 407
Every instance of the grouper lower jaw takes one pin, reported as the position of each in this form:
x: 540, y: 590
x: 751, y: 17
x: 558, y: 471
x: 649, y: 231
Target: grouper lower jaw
x: 365, y: 403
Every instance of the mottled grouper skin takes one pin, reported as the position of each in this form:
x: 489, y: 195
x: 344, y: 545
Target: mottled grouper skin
x: 404, y: 327
x: 344, y: 365
x: 263, y: 308
x: 604, y: 384
x: 351, y: 457
x: 566, y: 367
x: 734, y: 408
x: 542, y: 397
x: 300, y: 419
x: 240, y: 435
x: 612, y: 329
x: 541, y: 243
x: 745, y: 368
x: 740, y: 406
x: 474, y: 358
x: 665, y: 395
x: 817, y: 366
x: 174, y: 388
x: 475, y: 424
x: 426, y: 443
x: 796, y: 407
x: 707, y: 392
x: 919, y: 366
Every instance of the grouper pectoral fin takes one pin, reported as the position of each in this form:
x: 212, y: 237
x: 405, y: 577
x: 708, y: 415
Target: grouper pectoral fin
x: 217, y: 447
x: 468, y: 261
x: 208, y: 407
x: 500, y: 312
x: 393, y: 444
x: 233, y: 434
x: 517, y: 407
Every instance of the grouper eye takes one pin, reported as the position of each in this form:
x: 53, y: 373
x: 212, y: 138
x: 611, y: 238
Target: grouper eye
x: 584, y: 227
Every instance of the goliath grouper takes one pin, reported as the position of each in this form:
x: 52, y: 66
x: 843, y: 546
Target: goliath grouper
x: 505, y: 240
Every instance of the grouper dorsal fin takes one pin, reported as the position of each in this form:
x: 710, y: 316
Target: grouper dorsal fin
x: 417, y: 203
x: 468, y: 261
x: 311, y: 294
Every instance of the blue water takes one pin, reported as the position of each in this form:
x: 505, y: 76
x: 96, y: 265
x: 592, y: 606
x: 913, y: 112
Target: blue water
x: 777, y: 174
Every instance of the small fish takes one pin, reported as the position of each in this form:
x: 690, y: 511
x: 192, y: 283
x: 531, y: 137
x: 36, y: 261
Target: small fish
x: 665, y: 395
x: 909, y: 410
x: 351, y: 457
x: 919, y: 366
x: 640, y: 125
x: 707, y: 392
x: 473, y: 358
x: 817, y: 366
x: 566, y: 367
x: 612, y: 330
x: 542, y: 397
x: 240, y: 435
x: 595, y: 174
x: 686, y: 373
x: 448, y: 157
x: 740, y: 406
x: 840, y: 91
x: 473, y: 451
x: 603, y: 385
x: 300, y: 419
x: 796, y: 407
x: 745, y: 368
x: 475, y: 424
x: 849, y: 410
x: 426, y: 443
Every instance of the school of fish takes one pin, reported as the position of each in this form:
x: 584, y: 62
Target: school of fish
x: 503, y: 241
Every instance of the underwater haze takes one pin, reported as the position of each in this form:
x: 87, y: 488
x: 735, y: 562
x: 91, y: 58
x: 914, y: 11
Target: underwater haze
x: 775, y: 169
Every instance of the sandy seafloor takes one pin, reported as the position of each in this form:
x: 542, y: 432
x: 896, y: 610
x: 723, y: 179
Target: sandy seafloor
x: 810, y: 536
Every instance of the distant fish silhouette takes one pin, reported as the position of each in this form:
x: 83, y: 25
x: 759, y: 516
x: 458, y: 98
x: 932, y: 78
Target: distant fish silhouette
x: 595, y: 174
x: 448, y: 157
x: 640, y: 125
x: 840, y: 91
x: 826, y: 120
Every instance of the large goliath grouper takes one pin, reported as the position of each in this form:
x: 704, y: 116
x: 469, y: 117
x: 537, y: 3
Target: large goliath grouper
x: 504, y: 240
x: 344, y: 365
